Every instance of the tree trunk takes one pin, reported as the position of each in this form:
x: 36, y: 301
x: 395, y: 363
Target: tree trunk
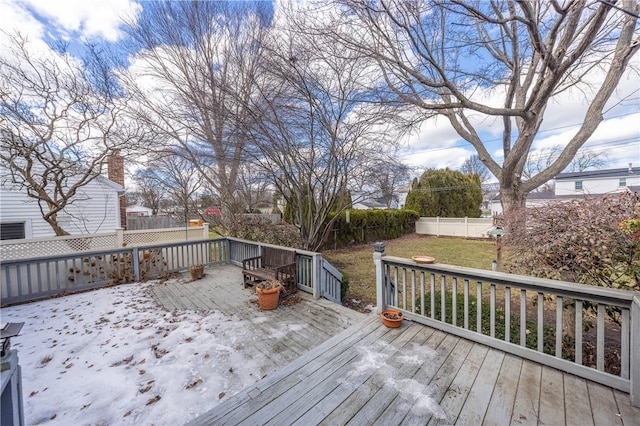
x: 512, y: 199
x: 53, y: 222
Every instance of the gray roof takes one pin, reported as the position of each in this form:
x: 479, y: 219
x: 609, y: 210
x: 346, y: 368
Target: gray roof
x: 594, y: 174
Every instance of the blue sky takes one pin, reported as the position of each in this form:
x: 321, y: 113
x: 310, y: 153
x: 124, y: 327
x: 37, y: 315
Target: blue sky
x: 435, y: 145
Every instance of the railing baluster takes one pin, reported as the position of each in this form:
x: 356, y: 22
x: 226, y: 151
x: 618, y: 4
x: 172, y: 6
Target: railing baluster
x: 492, y: 313
x: 413, y: 290
x: 443, y: 298
x: 404, y: 288
x: 432, y: 288
x: 396, y: 289
x: 540, y: 322
x: 454, y: 301
x: 466, y: 304
x: 559, y: 326
x: 29, y: 279
x: 625, y: 345
x: 422, y: 291
x: 578, y: 345
x: 600, y: 338
x: 507, y: 314
x: 479, y: 307
x: 523, y: 317
x: 39, y: 275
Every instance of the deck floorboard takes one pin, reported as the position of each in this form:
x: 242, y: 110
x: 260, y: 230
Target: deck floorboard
x: 335, y: 366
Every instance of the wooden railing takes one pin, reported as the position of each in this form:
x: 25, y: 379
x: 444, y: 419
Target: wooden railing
x: 315, y: 275
x: 588, y: 331
x: 25, y: 280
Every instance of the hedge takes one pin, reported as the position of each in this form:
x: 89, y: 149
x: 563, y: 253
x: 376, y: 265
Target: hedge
x: 367, y: 226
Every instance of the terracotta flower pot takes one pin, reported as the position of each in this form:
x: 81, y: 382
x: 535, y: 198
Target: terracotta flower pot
x: 197, y: 271
x: 268, y: 298
x: 392, y: 318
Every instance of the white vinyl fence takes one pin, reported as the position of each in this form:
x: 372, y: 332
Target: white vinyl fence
x: 455, y: 227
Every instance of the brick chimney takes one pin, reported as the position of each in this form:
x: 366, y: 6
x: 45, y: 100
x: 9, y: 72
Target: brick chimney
x: 115, y: 170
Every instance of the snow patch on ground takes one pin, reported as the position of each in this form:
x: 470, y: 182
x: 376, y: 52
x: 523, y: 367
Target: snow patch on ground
x: 112, y: 356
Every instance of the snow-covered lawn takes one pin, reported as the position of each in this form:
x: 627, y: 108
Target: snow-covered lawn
x: 112, y: 356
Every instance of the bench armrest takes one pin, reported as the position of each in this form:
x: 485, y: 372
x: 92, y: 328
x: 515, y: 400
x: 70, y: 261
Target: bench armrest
x: 286, y: 271
x: 251, y: 262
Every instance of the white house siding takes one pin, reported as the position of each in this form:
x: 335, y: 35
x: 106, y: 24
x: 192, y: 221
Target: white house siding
x: 603, y: 185
x: 95, y: 209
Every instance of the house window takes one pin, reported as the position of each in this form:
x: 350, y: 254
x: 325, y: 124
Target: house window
x: 12, y: 231
x: 623, y: 182
x: 578, y: 185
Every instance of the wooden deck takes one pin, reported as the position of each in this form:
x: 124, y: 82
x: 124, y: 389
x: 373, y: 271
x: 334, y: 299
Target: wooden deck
x: 290, y: 331
x: 342, y: 367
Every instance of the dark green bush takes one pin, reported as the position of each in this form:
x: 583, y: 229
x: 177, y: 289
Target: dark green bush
x: 344, y: 287
x: 370, y: 225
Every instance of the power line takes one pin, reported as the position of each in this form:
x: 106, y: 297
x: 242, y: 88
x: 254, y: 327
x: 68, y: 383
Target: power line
x: 465, y: 143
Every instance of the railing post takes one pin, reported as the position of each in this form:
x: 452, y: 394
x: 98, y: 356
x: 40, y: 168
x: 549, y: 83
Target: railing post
x: 635, y: 352
x: 377, y: 260
x: 135, y: 263
x: 119, y: 237
x: 316, y: 275
x: 205, y: 230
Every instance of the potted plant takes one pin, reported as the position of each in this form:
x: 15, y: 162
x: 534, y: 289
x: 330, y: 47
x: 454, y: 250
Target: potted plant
x: 392, y: 318
x: 197, y: 271
x: 268, y: 294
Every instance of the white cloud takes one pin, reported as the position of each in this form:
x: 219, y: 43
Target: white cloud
x: 89, y: 19
x: 619, y: 136
x: 14, y: 18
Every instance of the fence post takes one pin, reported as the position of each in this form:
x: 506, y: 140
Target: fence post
x: 205, y: 230
x: 466, y: 227
x: 377, y: 260
x: 634, y: 375
x: 119, y: 237
x: 437, y: 226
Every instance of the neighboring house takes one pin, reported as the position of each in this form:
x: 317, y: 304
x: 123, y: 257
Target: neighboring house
x: 597, y: 181
x: 368, y: 205
x: 402, y: 196
x: 96, y: 208
x: 139, y: 211
x: 574, y: 185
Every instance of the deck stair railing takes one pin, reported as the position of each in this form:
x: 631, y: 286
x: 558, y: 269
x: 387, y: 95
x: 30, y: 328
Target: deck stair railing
x: 592, y: 332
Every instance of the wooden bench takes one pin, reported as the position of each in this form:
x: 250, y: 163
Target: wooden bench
x: 273, y: 264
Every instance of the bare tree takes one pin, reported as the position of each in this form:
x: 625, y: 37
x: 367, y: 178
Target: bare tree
x: 455, y: 58
x: 474, y: 166
x: 150, y: 189
x: 175, y: 178
x: 544, y: 158
x: 253, y: 187
x: 588, y: 159
x: 192, y: 78
x: 392, y: 175
x: 58, y: 124
x: 317, y: 133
